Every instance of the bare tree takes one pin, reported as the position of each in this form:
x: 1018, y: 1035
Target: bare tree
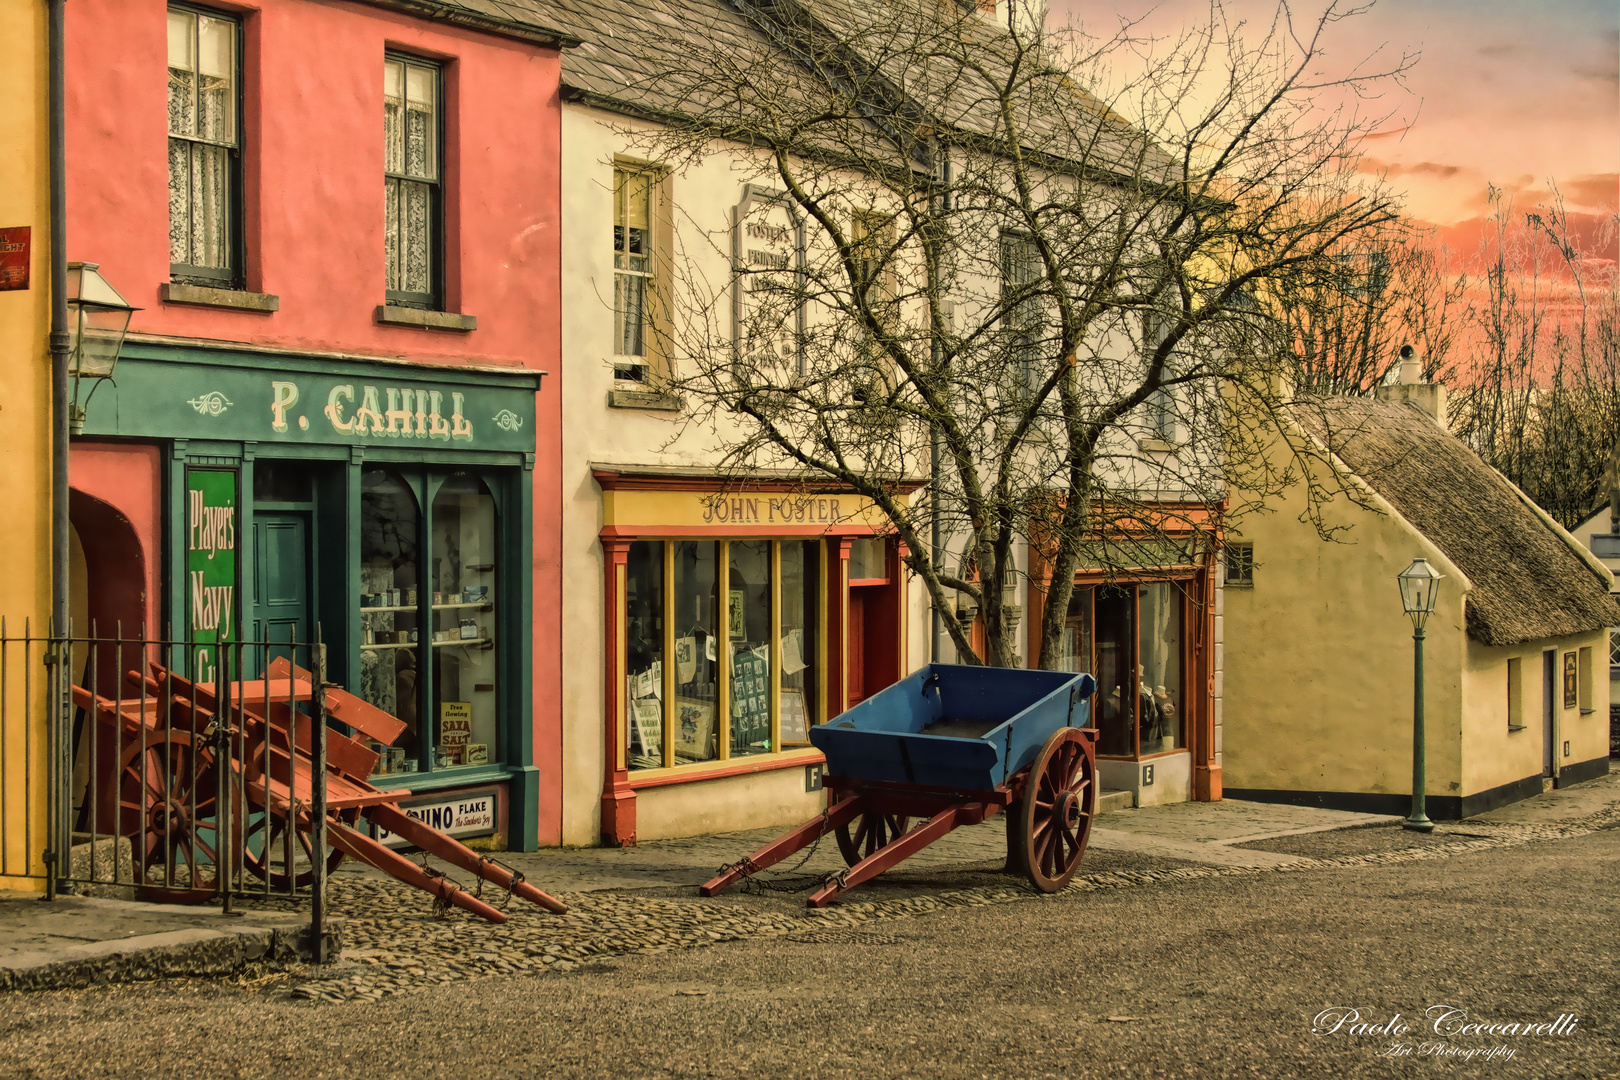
x: 1540, y: 396
x: 1020, y: 270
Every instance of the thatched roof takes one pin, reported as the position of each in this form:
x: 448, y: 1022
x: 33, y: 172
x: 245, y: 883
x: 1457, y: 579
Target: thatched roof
x: 1529, y: 582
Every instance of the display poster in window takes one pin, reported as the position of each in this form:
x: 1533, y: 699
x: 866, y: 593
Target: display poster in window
x: 211, y: 609
x: 750, y: 698
x: 685, y: 659
x: 694, y: 728
x: 737, y: 614
x: 1571, y: 681
x: 793, y: 652
x: 455, y: 729
x: 648, y: 718
x: 795, y: 718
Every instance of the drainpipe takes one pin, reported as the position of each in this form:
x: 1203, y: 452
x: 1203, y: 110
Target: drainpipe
x: 55, y: 716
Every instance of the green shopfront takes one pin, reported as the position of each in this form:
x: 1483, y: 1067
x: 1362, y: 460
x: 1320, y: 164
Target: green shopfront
x: 386, y: 508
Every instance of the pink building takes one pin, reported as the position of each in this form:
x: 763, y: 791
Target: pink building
x: 337, y: 411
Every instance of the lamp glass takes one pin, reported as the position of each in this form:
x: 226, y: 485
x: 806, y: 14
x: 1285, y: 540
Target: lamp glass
x: 100, y: 320
x: 1420, y: 589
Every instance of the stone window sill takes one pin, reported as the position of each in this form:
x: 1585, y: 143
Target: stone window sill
x: 1158, y: 446
x: 204, y: 296
x: 394, y: 315
x: 643, y: 399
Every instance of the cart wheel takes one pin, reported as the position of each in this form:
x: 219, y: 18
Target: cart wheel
x: 871, y: 832
x: 265, y: 855
x: 167, y: 806
x: 1059, y: 801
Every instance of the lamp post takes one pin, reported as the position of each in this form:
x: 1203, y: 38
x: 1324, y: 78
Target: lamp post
x: 1420, y: 588
x: 98, y: 317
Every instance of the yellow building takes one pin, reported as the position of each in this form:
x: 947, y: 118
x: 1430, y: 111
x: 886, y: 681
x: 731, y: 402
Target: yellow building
x: 25, y: 481
x: 1318, y: 653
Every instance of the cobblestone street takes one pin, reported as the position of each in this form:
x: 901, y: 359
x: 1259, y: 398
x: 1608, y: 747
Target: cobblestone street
x: 393, y: 942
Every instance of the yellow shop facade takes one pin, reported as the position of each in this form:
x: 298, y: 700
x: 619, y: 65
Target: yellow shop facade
x: 25, y: 479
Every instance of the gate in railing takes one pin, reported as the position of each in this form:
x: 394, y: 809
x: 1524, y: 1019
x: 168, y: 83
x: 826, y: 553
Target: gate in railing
x: 184, y: 771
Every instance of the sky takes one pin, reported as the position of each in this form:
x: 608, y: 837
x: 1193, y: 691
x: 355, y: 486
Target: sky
x: 1515, y: 93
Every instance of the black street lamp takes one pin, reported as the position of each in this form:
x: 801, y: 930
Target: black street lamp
x: 1420, y: 588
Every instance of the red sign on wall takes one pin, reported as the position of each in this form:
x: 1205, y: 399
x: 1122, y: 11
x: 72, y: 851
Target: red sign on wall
x: 14, y: 252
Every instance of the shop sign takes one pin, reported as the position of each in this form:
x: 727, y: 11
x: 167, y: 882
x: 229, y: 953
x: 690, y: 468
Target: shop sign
x: 345, y: 403
x: 771, y: 510
x: 767, y: 253
x: 14, y: 257
x: 210, y: 565
x: 460, y: 815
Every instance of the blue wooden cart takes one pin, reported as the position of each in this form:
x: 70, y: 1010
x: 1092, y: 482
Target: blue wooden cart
x: 951, y: 746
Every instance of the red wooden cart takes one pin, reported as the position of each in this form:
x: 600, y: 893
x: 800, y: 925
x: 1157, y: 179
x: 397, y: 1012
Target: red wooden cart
x: 945, y: 747
x: 161, y: 781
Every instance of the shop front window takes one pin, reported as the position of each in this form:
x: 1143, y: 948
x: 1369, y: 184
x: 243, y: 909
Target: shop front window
x: 1159, y: 689
x: 465, y: 695
x: 428, y: 641
x: 390, y: 538
x: 644, y: 653
x: 1130, y: 638
x: 801, y: 584
x: 738, y: 658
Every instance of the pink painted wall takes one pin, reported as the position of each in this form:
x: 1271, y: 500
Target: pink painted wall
x: 126, y: 478
x: 313, y: 189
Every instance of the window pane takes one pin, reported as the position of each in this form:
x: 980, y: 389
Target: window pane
x: 629, y: 314
x: 179, y: 201
x: 389, y: 646
x: 801, y: 578
x: 421, y: 108
x: 392, y: 240
x: 1160, y: 689
x: 393, y: 115
x: 182, y: 73
x: 1116, y: 665
x: 644, y: 653
x: 697, y: 624
x: 465, y: 698
x: 210, y: 206
x: 1075, y: 648
x: 417, y: 244
x: 748, y: 622
x: 868, y: 558
x: 216, y: 95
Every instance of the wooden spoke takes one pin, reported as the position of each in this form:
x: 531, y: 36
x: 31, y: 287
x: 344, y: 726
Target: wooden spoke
x: 869, y: 832
x: 1056, y: 809
x: 167, y: 798
x: 263, y: 844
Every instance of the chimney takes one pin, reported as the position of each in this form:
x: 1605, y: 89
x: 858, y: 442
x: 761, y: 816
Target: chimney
x: 1409, y: 386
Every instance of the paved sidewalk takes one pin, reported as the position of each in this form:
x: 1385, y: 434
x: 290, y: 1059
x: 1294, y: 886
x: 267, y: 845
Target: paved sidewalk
x: 80, y: 940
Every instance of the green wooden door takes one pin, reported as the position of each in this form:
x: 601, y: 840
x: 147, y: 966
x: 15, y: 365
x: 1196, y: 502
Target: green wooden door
x: 281, y: 584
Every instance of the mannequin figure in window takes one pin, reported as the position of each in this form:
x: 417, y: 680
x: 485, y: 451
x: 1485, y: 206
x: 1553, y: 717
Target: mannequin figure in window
x: 405, y: 699
x: 642, y: 637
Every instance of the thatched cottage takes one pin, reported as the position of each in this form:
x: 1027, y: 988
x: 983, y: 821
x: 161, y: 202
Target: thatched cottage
x: 1318, y: 668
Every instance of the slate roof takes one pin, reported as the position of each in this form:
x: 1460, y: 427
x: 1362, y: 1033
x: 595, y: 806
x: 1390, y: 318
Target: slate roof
x: 1529, y: 582
x: 625, y: 46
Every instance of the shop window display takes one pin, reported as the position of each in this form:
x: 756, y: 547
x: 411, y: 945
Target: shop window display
x: 441, y: 624
x: 801, y: 583
x: 1131, y: 640
x: 390, y: 531
x: 465, y: 696
x: 644, y: 651
x: 739, y: 677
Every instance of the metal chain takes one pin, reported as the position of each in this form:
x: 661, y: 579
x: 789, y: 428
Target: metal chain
x: 785, y: 881
x: 447, y: 888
